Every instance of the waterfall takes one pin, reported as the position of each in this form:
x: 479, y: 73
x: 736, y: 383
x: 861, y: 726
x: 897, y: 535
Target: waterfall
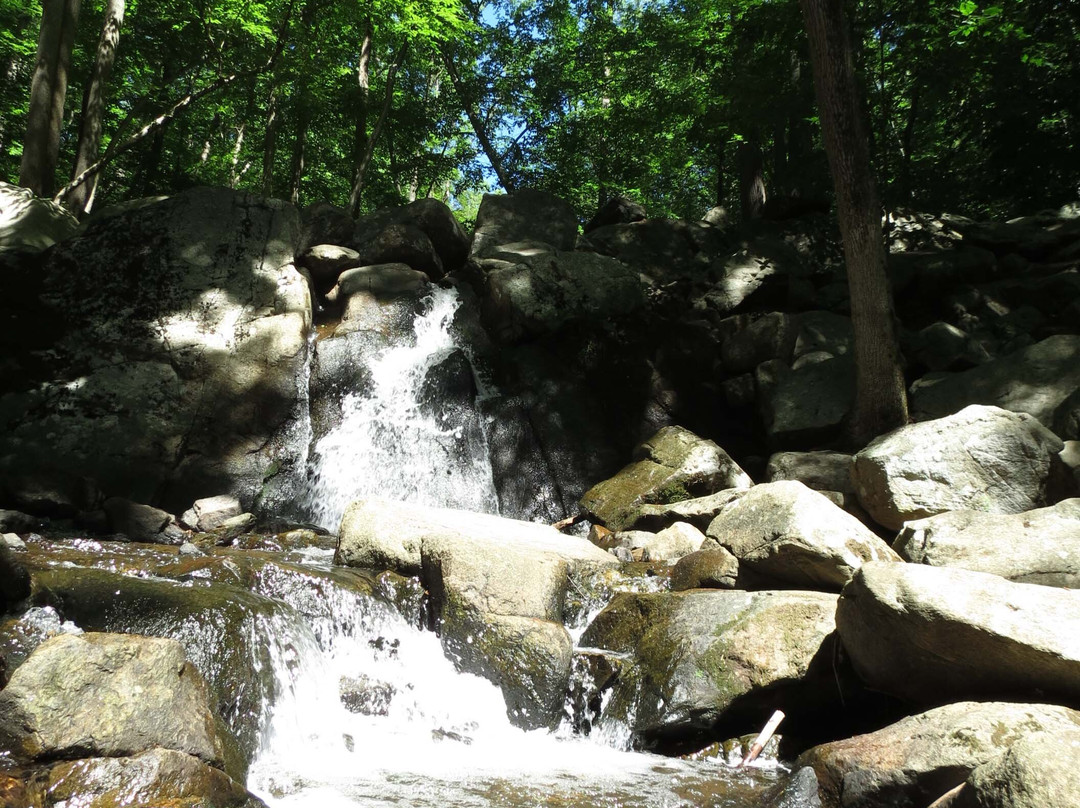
x: 400, y: 437
x: 370, y: 712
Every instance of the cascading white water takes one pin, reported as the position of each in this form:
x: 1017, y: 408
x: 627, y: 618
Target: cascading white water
x: 392, y: 443
x: 417, y: 733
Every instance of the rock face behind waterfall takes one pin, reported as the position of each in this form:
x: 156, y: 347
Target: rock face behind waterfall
x: 180, y: 338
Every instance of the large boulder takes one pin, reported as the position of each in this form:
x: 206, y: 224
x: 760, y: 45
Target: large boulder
x: 805, y: 405
x: 532, y: 290
x: 1035, y: 380
x: 707, y: 661
x: 786, y: 532
x: 673, y: 464
x: 929, y: 635
x: 173, y: 370
x: 1035, y: 547
x: 155, y: 777
x: 1038, y: 770
x: 660, y: 249
x: 107, y: 695
x: 617, y: 210
x: 981, y: 458
x: 914, y: 761
x: 527, y: 215
x: 822, y: 470
x: 28, y: 221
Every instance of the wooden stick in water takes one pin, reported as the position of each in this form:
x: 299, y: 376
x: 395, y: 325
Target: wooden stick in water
x: 762, y: 739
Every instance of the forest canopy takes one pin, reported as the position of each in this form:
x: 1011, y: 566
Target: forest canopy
x: 971, y: 104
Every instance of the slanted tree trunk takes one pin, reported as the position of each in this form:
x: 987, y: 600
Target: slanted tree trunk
x: 270, y: 142
x: 363, y: 92
x: 478, y: 126
x: 365, y: 161
x: 41, y: 148
x: 880, y: 400
x: 91, y: 123
x: 751, y: 181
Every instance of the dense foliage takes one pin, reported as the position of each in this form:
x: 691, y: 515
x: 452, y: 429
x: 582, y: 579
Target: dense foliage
x: 972, y: 103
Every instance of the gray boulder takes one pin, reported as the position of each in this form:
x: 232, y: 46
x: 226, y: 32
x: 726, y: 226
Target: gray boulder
x: 1038, y: 770
x: 324, y: 223
x: 981, y: 458
x: 914, y: 761
x: 174, y: 374
x: 942, y: 346
x: 326, y: 262
x: 673, y: 464
x: 784, y: 531
x: 1035, y: 547
x: 929, y: 635
x: 1066, y: 423
x: 532, y: 291
x: 697, y: 511
x: 401, y: 243
x: 431, y: 217
x: 209, y: 512
x: 17, y: 522
x: 1035, y: 380
x: 705, y: 660
x: 527, y: 215
x: 156, y: 777
x: 756, y: 340
x: 28, y: 221
x: 762, y: 273
x: 107, y: 695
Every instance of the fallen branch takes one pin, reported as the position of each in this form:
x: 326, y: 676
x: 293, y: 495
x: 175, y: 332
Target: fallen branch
x: 570, y: 521
x: 223, y: 81
x: 762, y: 739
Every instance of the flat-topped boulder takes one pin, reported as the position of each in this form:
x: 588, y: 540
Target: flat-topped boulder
x: 911, y: 763
x: 786, y: 532
x: 1036, y: 547
x: 930, y: 635
x: 981, y: 458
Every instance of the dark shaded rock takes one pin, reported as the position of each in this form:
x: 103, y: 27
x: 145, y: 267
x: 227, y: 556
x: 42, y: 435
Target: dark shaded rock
x: 801, y: 791
x: 324, y: 223
x: 807, y: 405
x: 15, y: 580
x: 139, y: 522
x: 400, y: 243
x: 617, y: 210
x: 327, y: 261
x: 28, y: 221
x: 17, y: 522
x: 527, y: 215
x: 429, y: 216
x: 661, y: 249
x: 821, y: 470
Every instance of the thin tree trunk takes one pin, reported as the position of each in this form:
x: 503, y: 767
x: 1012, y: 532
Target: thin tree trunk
x: 751, y: 181
x: 365, y: 161
x: 48, y: 90
x: 880, y: 400
x: 270, y: 143
x: 91, y: 125
x: 363, y: 92
x: 478, y: 127
x: 304, y: 106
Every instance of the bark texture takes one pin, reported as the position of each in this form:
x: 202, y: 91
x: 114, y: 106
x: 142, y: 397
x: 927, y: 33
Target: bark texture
x: 48, y: 90
x: 81, y: 198
x: 880, y: 400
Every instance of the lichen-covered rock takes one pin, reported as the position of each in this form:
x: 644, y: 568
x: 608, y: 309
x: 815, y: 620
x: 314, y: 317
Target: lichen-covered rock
x: 107, y: 695
x: 673, y: 464
x: 981, y: 458
x: 706, y: 659
x: 180, y: 337
x: 1035, y: 547
x: 914, y: 761
x: 713, y: 568
x: 784, y: 531
x: 156, y: 777
x: 929, y: 635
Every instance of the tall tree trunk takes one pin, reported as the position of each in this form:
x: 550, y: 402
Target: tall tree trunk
x: 478, y: 127
x: 880, y: 400
x: 363, y: 91
x: 91, y: 124
x: 365, y: 161
x: 721, y: 185
x: 48, y: 90
x: 751, y: 181
x: 303, y: 105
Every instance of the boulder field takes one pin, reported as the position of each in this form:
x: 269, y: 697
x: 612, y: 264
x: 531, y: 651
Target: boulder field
x: 677, y: 390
